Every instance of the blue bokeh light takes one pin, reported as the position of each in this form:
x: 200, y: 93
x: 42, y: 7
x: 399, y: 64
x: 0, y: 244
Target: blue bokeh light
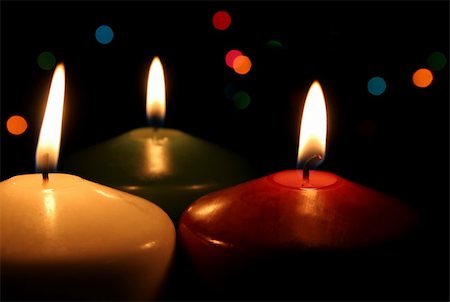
x: 376, y: 85
x: 104, y: 34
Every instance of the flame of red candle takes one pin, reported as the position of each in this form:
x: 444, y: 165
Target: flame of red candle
x: 313, y: 128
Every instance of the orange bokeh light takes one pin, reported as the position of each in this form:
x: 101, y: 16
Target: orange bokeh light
x: 16, y: 125
x: 422, y: 78
x: 242, y: 64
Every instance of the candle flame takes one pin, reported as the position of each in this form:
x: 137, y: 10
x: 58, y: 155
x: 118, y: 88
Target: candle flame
x: 156, y: 94
x: 313, y: 129
x: 50, y: 136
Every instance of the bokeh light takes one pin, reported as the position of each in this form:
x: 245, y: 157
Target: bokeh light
x: 274, y: 44
x: 422, y: 78
x: 221, y: 20
x: 16, y: 125
x: 376, y: 85
x: 46, y: 60
x: 241, y: 99
x: 229, y: 90
x: 104, y: 34
x: 436, y: 61
x: 242, y: 64
x: 231, y: 56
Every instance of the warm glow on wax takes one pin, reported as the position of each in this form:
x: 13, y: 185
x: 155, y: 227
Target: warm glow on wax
x: 50, y: 135
x: 313, y: 128
x: 158, y: 163
x: 156, y: 94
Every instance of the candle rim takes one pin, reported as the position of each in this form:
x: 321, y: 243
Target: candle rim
x: 331, y: 180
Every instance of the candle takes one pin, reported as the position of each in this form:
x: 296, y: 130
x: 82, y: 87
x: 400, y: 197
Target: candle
x: 64, y: 237
x: 167, y: 166
x: 290, y: 214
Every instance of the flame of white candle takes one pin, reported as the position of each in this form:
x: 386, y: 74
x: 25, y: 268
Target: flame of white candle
x: 156, y: 94
x: 313, y: 129
x: 50, y: 136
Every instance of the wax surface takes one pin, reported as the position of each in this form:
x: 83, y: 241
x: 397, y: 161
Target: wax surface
x: 262, y: 213
x: 167, y: 166
x: 274, y: 213
x: 82, y: 240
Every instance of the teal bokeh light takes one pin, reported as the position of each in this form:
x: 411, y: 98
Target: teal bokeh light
x: 104, y: 34
x: 230, y: 90
x: 376, y: 85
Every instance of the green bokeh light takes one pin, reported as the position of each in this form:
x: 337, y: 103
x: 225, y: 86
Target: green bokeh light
x: 274, y: 44
x: 436, y: 61
x: 241, y: 99
x: 46, y: 60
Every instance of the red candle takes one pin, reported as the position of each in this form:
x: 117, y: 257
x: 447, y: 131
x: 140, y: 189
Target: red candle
x: 290, y: 211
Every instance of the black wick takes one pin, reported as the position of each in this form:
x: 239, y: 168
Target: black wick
x: 306, y: 167
x: 45, y: 168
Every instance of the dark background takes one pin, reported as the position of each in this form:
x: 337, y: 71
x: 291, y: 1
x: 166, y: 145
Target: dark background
x: 397, y: 142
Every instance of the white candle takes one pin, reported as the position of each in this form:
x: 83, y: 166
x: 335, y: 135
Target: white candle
x: 70, y: 238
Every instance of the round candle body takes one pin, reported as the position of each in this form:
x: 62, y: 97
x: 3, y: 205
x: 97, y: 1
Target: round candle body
x: 278, y: 213
x: 167, y: 166
x: 74, y: 239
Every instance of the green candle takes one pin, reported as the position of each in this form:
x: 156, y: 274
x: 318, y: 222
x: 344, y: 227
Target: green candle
x: 166, y: 166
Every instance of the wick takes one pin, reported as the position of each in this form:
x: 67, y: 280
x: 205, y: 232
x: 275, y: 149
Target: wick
x: 153, y: 124
x: 306, y: 167
x: 45, y: 169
